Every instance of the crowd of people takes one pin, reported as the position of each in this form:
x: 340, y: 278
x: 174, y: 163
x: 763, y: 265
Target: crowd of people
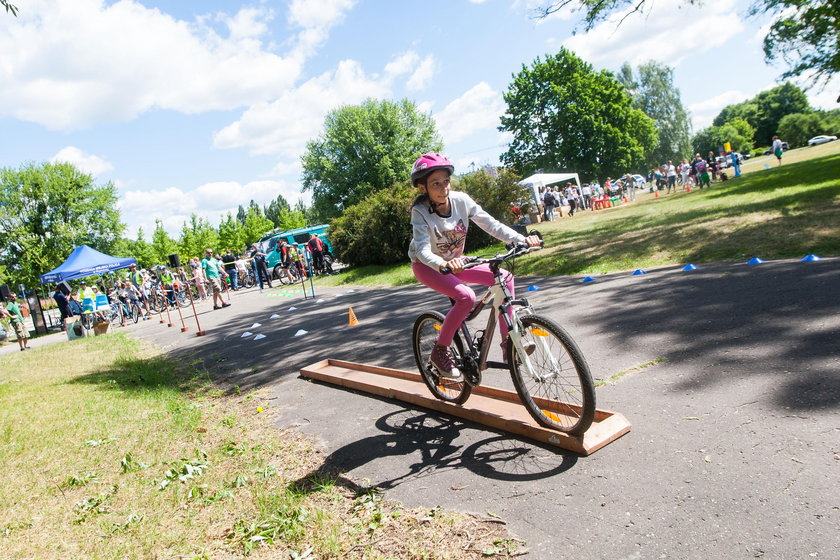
x: 211, y: 275
x: 696, y: 172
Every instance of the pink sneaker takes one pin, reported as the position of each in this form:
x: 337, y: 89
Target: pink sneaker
x: 442, y: 360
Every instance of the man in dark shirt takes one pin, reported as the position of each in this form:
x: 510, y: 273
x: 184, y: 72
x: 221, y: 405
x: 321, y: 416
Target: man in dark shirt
x: 230, y: 268
x: 63, y: 305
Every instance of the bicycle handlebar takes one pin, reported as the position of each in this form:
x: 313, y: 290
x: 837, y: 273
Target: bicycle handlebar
x: 514, y: 250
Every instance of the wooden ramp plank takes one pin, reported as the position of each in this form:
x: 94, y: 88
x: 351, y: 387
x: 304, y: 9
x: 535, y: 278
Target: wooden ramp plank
x: 489, y: 406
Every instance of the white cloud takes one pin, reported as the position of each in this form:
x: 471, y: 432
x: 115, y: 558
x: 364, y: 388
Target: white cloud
x: 79, y: 63
x: 88, y: 163
x: 422, y: 74
x: 283, y: 126
x: 478, y: 109
x: 211, y: 201
x: 316, y: 17
x: 703, y: 112
x: 668, y: 33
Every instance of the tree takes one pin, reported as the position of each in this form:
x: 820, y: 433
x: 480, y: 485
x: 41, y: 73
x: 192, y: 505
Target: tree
x: 162, y: 244
x: 805, y: 33
x: 10, y: 8
x: 364, y: 148
x: 798, y: 128
x: 231, y: 234
x: 766, y: 109
x: 48, y: 209
x: 737, y: 132
x: 256, y: 225
x: 241, y: 214
x: 565, y: 116
x: 196, y: 237
x: 653, y: 92
x: 497, y: 194
x: 275, y: 207
x: 376, y: 230
x: 805, y: 36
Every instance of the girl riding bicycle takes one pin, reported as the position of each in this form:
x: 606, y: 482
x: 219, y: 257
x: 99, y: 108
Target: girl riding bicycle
x: 439, y: 219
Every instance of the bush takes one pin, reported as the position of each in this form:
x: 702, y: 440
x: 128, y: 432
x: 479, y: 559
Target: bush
x: 497, y: 195
x: 377, y: 230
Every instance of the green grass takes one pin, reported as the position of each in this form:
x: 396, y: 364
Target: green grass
x: 776, y: 213
x: 110, y: 450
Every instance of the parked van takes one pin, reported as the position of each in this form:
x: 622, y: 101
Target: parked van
x: 270, y: 245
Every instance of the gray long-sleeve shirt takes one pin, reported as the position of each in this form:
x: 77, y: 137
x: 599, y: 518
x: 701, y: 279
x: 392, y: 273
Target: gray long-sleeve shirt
x: 438, y: 239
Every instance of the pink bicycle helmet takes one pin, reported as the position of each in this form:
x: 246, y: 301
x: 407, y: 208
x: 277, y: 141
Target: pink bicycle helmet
x: 427, y: 163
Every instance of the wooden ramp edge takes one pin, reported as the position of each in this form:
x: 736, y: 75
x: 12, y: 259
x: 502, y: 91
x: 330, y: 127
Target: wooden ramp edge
x: 489, y: 406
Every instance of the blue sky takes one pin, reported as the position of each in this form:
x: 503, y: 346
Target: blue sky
x: 198, y: 107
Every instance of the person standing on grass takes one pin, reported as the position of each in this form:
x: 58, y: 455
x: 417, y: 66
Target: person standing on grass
x: 211, y: 268
x: 777, y: 149
x: 16, y: 315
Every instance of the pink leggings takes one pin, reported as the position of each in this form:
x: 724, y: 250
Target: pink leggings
x: 455, y: 287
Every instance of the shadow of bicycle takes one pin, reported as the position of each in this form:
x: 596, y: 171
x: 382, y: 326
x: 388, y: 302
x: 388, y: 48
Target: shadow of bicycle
x: 436, y: 438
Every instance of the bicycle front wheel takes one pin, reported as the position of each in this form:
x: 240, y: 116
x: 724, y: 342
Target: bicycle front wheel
x: 557, y: 389
x: 135, y: 312
x: 425, y: 334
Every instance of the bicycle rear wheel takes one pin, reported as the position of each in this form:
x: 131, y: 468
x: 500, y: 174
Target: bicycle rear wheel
x: 560, y: 394
x: 424, y: 335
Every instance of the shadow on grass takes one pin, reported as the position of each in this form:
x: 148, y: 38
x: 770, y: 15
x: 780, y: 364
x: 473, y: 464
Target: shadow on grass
x: 155, y: 374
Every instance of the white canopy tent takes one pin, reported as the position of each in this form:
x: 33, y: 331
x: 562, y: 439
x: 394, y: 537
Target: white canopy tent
x: 544, y: 179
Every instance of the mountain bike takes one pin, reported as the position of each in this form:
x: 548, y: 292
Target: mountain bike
x: 553, y: 380
x: 121, y: 311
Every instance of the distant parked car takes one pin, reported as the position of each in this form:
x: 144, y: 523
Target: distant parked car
x: 641, y: 183
x: 821, y: 140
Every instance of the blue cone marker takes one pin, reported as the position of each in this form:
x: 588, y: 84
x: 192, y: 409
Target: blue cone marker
x: 689, y: 267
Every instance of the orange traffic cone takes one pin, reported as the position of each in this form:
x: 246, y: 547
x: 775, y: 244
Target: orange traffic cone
x: 655, y: 194
x: 353, y: 321
x: 688, y: 188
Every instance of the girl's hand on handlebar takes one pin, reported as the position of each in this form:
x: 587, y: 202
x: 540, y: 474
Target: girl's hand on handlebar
x: 533, y: 241
x: 454, y: 266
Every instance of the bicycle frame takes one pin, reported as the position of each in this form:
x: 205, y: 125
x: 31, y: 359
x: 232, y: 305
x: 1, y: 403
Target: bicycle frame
x: 501, y: 302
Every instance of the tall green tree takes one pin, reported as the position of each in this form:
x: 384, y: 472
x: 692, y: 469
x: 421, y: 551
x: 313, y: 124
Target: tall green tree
x: 766, y: 110
x: 564, y: 115
x: 737, y: 132
x: 196, y: 236
x: 241, y: 214
x: 653, y: 91
x: 231, y: 234
x: 162, y: 244
x: 48, y: 209
x: 796, y: 129
x: 364, y: 148
x: 256, y: 225
x: 804, y: 35
x: 275, y: 207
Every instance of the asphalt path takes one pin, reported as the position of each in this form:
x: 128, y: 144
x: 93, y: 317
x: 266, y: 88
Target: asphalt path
x: 728, y: 374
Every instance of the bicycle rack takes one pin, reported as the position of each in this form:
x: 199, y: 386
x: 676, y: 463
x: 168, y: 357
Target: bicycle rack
x: 489, y: 406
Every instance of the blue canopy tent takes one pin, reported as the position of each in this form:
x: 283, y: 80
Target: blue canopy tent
x: 84, y: 261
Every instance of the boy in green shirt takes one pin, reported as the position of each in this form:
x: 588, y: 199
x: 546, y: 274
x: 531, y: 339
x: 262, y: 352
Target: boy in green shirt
x: 14, y: 311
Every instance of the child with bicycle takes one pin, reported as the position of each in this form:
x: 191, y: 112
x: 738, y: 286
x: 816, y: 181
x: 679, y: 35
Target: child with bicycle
x: 439, y: 219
